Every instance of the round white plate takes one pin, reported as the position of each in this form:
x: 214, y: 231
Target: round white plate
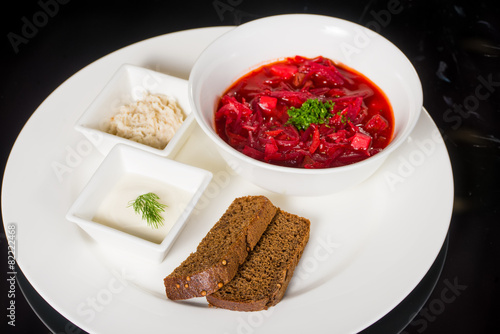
x: 369, y: 246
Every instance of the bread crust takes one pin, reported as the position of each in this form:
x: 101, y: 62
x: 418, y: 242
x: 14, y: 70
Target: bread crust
x: 208, y: 280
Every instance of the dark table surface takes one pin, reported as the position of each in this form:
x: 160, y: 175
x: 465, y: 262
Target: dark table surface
x: 454, y: 46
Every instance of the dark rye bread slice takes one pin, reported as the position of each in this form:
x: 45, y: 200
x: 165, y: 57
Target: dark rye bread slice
x: 263, y: 278
x: 222, y: 250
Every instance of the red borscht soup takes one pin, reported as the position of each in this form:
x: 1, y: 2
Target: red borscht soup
x: 305, y: 113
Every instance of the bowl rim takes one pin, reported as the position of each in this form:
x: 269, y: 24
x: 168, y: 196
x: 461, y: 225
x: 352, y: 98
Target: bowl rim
x: 210, y: 131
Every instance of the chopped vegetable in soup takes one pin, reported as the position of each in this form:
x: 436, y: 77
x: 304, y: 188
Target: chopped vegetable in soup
x: 305, y: 113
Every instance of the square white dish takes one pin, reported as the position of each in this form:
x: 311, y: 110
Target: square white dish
x: 128, y: 85
x: 126, y: 172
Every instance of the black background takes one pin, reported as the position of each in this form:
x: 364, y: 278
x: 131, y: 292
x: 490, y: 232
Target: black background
x: 454, y: 46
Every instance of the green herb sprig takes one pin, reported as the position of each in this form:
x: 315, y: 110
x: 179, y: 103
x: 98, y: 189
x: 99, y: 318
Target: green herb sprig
x: 311, y: 111
x: 149, y: 208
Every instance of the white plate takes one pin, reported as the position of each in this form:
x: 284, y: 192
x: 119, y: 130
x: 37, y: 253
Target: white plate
x: 369, y: 246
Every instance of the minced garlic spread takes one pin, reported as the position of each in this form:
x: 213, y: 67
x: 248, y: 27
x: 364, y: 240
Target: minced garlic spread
x: 151, y: 121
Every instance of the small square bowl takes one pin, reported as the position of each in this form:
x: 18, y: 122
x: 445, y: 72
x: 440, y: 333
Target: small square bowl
x: 128, y: 85
x: 125, y: 173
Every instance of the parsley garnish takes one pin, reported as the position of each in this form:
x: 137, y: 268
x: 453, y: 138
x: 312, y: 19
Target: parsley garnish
x: 311, y: 111
x: 150, y: 209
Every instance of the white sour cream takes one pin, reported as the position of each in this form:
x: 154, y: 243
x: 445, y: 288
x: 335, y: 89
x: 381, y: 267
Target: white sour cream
x: 113, y: 210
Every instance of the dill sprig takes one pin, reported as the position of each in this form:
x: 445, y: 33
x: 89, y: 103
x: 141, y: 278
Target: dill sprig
x: 148, y: 206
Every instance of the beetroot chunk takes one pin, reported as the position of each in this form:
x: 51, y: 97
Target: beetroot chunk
x: 376, y: 123
x: 360, y: 141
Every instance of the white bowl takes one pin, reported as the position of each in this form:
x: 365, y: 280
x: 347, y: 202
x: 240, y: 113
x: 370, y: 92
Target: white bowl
x: 255, y: 43
x: 128, y: 85
x: 132, y: 172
